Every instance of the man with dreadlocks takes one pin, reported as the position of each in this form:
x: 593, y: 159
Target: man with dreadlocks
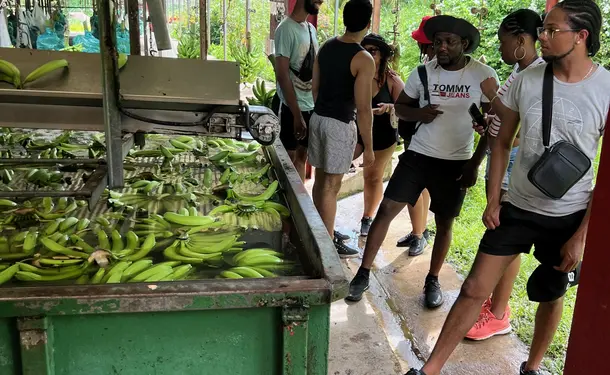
x: 578, y: 110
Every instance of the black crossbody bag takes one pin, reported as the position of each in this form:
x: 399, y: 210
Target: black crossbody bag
x: 305, y: 73
x: 561, y: 165
x: 406, y: 129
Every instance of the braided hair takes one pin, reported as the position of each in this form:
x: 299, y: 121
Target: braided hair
x: 522, y: 21
x: 584, y: 15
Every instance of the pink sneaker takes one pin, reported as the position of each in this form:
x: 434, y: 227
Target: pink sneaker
x: 488, y: 326
x: 486, y: 306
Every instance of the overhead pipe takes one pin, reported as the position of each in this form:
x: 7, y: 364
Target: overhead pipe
x: 337, y: 16
x: 159, y: 22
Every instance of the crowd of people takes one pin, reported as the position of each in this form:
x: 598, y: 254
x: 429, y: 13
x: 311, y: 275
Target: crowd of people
x: 540, y: 133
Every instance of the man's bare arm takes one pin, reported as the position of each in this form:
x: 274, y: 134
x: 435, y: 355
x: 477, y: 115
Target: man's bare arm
x: 282, y: 73
x: 316, y: 80
x: 500, y: 154
x: 406, y: 109
x: 364, y: 66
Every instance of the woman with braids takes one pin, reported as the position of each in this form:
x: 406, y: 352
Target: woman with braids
x: 518, y: 34
x: 526, y: 216
x: 387, y: 86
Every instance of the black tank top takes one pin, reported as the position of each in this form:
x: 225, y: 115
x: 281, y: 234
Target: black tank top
x: 383, y: 96
x: 336, y: 90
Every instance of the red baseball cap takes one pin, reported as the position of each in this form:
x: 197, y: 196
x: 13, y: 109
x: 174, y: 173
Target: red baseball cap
x: 419, y: 34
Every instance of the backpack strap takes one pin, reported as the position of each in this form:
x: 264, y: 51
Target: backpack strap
x: 423, y: 77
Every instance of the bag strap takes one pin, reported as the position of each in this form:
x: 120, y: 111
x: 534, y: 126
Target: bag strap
x: 423, y: 77
x: 547, y: 105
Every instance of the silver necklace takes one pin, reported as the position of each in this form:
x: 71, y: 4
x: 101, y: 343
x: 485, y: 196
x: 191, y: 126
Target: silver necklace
x: 590, y: 71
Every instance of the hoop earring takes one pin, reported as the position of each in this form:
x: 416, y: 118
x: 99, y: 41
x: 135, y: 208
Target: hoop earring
x: 515, y: 53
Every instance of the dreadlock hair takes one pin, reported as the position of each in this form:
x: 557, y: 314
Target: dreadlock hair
x: 584, y: 15
x: 522, y: 21
x: 422, y: 50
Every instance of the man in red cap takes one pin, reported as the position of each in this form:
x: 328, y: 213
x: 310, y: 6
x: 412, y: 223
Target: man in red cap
x: 426, y: 47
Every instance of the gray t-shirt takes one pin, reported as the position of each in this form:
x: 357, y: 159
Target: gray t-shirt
x: 579, y: 116
x: 292, y: 41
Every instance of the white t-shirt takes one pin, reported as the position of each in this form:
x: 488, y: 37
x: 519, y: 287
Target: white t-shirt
x: 579, y: 116
x: 450, y: 136
x: 494, y: 127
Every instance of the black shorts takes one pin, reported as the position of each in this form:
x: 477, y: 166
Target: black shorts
x: 416, y: 172
x: 287, y: 137
x: 520, y: 229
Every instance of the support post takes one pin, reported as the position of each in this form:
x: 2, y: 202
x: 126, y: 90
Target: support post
x: 203, y: 29
x: 376, y: 16
x: 337, y: 5
x: 224, y: 29
x: 295, y: 358
x: 550, y: 4
x: 587, y: 349
x: 110, y: 93
x: 248, y: 26
x: 36, y: 341
x: 133, y: 16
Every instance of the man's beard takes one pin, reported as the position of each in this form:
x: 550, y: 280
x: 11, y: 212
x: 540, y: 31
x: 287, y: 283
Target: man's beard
x: 555, y: 58
x: 310, y: 8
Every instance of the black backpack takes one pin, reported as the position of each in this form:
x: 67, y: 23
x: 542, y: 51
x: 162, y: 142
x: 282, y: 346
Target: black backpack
x: 406, y: 129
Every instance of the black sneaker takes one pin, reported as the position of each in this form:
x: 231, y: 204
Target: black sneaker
x: 427, y: 235
x: 340, y: 236
x: 357, y: 287
x: 529, y: 372
x: 365, y: 226
x: 415, y: 372
x: 346, y: 251
x: 418, y: 246
x: 406, y: 241
x: 433, y: 293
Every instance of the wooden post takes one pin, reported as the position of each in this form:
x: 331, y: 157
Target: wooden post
x: 133, y: 16
x: 203, y: 29
x: 376, y: 16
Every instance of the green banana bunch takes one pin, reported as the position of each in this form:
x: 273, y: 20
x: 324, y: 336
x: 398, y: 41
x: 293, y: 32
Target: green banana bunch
x: 122, y: 60
x: 45, y: 69
x: 268, y: 194
x: 10, y: 73
x: 262, y: 97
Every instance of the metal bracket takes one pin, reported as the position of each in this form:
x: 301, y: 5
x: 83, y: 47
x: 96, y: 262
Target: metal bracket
x: 36, y: 341
x: 295, y: 339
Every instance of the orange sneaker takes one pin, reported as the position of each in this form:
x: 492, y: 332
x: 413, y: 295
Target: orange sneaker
x: 488, y: 326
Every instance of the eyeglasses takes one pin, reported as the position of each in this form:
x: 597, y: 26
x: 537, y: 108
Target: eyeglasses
x: 372, y: 50
x: 551, y: 32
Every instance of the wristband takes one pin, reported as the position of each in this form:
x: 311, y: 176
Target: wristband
x: 492, y: 99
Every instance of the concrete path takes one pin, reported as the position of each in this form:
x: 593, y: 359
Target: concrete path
x: 358, y: 343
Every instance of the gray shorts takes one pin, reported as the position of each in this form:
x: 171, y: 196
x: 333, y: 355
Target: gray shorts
x: 331, y: 144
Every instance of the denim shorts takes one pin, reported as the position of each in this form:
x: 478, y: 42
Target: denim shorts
x: 513, y: 155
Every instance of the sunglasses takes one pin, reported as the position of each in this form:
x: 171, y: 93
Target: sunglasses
x: 372, y: 50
